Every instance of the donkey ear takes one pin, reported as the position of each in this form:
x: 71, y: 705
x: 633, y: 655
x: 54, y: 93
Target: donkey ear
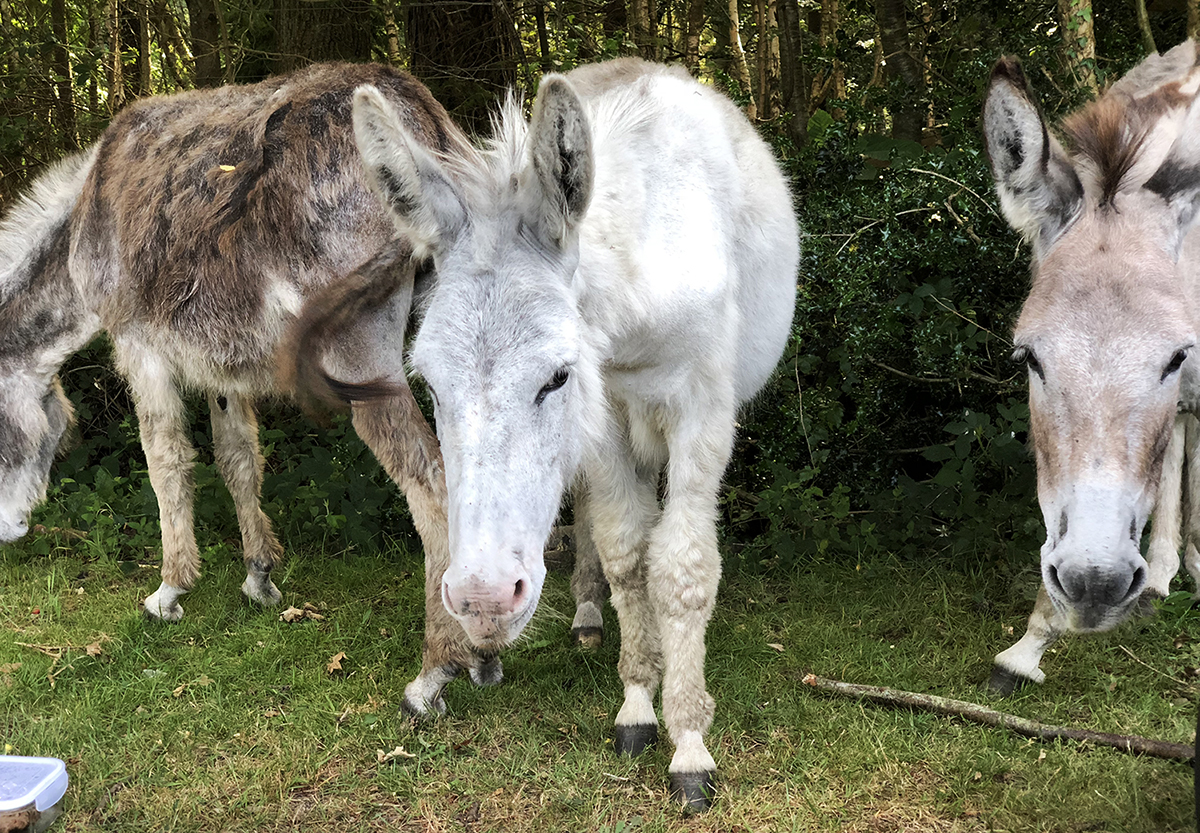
x: 1177, y: 180
x: 560, y: 150
x: 1040, y: 193
x: 424, y: 202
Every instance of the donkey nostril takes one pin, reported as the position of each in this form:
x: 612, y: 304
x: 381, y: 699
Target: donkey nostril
x: 1133, y: 530
x: 1052, y: 580
x: 518, y: 591
x: 1136, y: 584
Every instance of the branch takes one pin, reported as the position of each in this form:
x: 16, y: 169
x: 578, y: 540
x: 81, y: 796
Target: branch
x: 990, y: 717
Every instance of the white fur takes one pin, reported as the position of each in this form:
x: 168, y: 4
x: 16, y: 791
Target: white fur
x: 163, y: 603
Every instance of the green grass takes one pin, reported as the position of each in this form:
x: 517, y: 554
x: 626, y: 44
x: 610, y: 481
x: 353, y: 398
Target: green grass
x: 230, y: 720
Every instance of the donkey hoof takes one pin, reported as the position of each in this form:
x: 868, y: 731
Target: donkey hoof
x: 163, y: 605
x: 489, y: 672
x: 693, y: 790
x: 416, y: 706
x: 1004, y: 682
x: 587, y: 638
x: 262, y: 591
x: 635, y: 739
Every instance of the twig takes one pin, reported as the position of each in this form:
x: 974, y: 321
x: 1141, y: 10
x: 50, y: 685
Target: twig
x: 933, y: 380
x: 1134, y: 657
x: 990, y: 717
x: 959, y: 184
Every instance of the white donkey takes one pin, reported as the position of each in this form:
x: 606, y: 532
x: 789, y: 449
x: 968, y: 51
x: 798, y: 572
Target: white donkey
x: 613, y: 280
x: 1106, y: 333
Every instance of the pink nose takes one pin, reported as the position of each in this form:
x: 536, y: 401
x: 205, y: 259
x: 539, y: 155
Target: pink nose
x: 486, y: 601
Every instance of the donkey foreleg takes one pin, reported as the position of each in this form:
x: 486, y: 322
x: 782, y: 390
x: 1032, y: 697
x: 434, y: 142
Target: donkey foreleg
x: 240, y: 461
x: 588, y: 586
x: 623, y: 505
x: 402, y: 441
x: 1191, y: 557
x: 1162, y: 556
x: 684, y: 571
x: 169, y: 457
x: 1019, y: 665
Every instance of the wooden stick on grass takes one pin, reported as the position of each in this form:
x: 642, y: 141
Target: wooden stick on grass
x: 990, y: 717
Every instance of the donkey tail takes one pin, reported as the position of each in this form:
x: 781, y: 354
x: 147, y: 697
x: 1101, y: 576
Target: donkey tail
x: 328, y: 316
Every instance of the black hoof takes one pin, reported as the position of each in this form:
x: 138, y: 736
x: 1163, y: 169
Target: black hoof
x: 489, y: 672
x: 634, y: 740
x: 1004, y: 682
x: 693, y: 790
x: 588, y: 638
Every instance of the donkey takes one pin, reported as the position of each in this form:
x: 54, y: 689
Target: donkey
x: 192, y: 233
x: 1105, y: 333
x: 613, y: 280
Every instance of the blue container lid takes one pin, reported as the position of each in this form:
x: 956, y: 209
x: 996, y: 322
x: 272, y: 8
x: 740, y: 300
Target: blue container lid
x: 37, y: 781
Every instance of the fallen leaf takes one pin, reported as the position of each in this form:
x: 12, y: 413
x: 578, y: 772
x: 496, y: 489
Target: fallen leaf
x: 94, y: 649
x: 204, y: 680
x: 9, y: 667
x: 335, y: 662
x: 179, y: 691
x: 1041, y: 756
x: 272, y: 713
x: 399, y: 752
x: 295, y: 614
x: 776, y: 646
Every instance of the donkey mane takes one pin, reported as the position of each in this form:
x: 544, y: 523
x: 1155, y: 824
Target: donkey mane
x: 1114, y: 133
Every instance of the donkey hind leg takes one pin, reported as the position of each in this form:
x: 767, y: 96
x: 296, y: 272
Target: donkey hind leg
x: 169, y: 457
x: 1191, y: 465
x: 1019, y: 664
x: 240, y: 461
x: 684, y: 569
x: 1162, y: 557
x: 402, y: 441
x: 587, y: 580
x: 623, y: 504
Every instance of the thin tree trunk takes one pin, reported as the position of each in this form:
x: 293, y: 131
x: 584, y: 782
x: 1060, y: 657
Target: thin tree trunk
x: 1143, y: 19
x: 585, y: 30
x: 1079, y: 40
x: 229, y: 71
x: 644, y: 33
x: 791, y: 71
x: 539, y: 19
x: 763, y: 57
x: 61, y: 62
x: 93, y: 47
x: 695, y: 27
x: 393, y: 33
x: 740, y: 69
x: 175, y: 49
x: 115, y: 70
x: 205, y: 36
x: 902, y: 69
x: 1193, y: 18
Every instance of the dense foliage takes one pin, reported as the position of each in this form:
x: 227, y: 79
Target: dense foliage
x: 897, y: 422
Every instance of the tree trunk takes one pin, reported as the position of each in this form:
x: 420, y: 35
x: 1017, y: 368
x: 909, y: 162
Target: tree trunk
x: 695, y: 27
x: 174, y: 49
x: 645, y: 35
x: 93, y: 48
x: 793, y: 86
x: 115, y: 69
x: 321, y: 30
x: 1193, y: 18
x: 1143, y: 19
x: 585, y: 30
x: 539, y: 18
x: 205, y: 34
x: 143, y: 59
x: 1079, y: 40
x: 830, y: 83
x: 740, y: 70
x: 393, y: 33
x: 466, y: 51
x: 902, y: 69
x: 61, y: 62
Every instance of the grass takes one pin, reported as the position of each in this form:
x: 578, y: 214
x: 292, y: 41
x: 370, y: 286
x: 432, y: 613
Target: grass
x: 232, y: 720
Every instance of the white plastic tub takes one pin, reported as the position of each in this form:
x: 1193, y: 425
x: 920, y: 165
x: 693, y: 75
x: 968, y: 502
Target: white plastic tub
x: 31, y: 792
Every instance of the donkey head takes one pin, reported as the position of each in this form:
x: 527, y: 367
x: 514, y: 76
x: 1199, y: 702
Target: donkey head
x: 501, y: 345
x: 1109, y: 322
x: 33, y: 418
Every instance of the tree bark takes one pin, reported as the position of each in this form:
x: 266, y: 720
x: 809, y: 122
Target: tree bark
x: 793, y: 85
x: 902, y: 69
x: 467, y: 52
x: 740, y: 70
x: 539, y: 19
x: 832, y: 82
x: 61, y: 63
x: 393, y: 33
x: 695, y: 27
x: 1079, y: 40
x: 205, y: 35
x: 645, y: 34
x: 321, y: 30
x: 1193, y: 18
x: 115, y: 70
x: 143, y: 59
x: 1143, y: 19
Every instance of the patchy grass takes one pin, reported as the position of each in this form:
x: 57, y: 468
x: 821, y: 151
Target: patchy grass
x: 231, y: 720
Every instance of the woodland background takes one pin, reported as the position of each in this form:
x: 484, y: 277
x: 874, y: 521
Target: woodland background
x: 897, y: 423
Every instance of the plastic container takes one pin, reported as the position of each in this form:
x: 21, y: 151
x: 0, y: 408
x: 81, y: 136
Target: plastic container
x: 31, y: 793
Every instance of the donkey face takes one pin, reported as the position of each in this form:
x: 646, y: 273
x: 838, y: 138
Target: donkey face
x: 501, y: 344
x: 33, y: 418
x: 1105, y: 333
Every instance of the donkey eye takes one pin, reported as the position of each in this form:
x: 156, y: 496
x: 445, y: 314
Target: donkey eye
x: 1174, y: 365
x: 1024, y: 354
x: 556, y: 381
